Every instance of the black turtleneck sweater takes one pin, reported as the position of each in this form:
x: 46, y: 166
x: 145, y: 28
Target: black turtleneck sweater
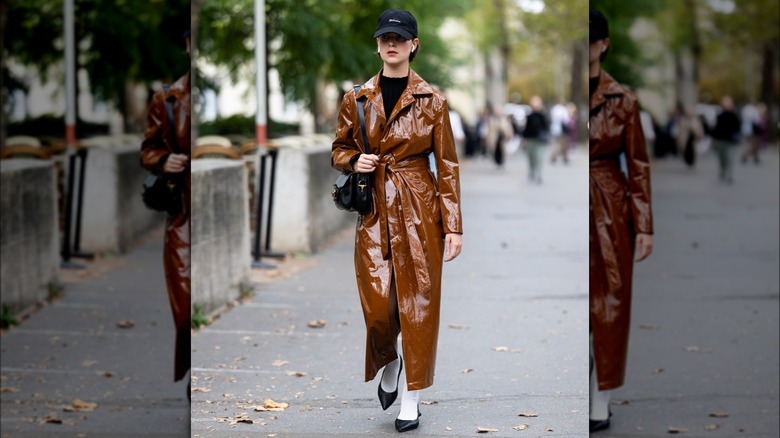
x: 594, y: 83
x: 392, y: 88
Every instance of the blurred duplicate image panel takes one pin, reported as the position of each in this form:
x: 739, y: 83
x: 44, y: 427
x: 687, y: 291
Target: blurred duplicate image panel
x: 89, y: 332
x: 282, y: 344
x: 684, y: 165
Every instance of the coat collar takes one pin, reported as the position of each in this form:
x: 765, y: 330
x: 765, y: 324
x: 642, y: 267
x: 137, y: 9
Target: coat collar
x: 607, y: 87
x: 416, y: 86
x: 179, y: 88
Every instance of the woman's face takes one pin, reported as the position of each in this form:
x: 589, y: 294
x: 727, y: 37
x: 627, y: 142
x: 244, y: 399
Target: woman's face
x: 395, y: 49
x: 595, y: 50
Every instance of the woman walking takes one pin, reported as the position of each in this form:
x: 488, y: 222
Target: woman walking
x: 166, y: 149
x: 621, y: 224
x: 415, y: 219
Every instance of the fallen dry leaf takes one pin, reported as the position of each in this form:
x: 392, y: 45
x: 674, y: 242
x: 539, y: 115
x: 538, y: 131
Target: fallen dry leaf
x: 295, y: 373
x: 711, y: 427
x: 80, y: 405
x: 456, y: 326
x: 241, y: 418
x: 428, y: 402
x: 648, y: 326
x: 719, y: 414
x: 8, y: 389
x: 108, y: 374
x: 521, y: 427
x: 88, y: 362
x: 51, y: 418
x: 318, y: 323
x: 486, y: 430
x: 270, y: 405
x: 125, y: 323
x: 547, y: 429
x: 527, y: 414
x: 200, y: 390
x: 468, y: 370
x: 677, y: 430
x: 501, y: 349
x: 279, y: 362
x: 658, y: 371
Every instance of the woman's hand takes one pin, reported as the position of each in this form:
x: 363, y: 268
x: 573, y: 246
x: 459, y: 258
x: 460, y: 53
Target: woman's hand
x: 452, y: 245
x: 175, y: 163
x: 366, y: 163
x: 644, y: 246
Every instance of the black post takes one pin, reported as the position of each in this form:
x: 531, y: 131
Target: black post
x: 273, y: 153
x: 256, y: 253
x: 82, y: 153
x: 66, y: 263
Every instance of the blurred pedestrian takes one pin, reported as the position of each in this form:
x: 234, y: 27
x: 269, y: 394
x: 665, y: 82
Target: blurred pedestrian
x: 571, y: 124
x: 621, y: 224
x: 726, y: 136
x: 689, y: 133
x: 559, y: 116
x: 754, y: 129
x: 415, y: 221
x: 166, y: 149
x: 499, y: 132
x: 535, y: 136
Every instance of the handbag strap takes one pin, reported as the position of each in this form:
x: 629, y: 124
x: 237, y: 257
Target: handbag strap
x: 169, y: 110
x: 362, y: 118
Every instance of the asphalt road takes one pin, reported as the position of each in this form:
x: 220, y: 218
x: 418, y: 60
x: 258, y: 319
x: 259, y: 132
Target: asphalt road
x: 705, y: 322
x: 70, y: 371
x: 520, y: 284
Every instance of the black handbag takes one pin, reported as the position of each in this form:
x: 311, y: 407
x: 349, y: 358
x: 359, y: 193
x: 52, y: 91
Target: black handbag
x: 162, y: 191
x: 352, y: 190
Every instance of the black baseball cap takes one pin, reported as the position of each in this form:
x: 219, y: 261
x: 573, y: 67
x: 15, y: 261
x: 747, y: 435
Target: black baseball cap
x: 599, y: 28
x: 397, y: 21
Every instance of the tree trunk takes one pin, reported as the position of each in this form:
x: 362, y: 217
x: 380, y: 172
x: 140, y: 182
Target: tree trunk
x: 194, y: 14
x: 578, y: 69
x: 768, y: 63
x: 3, y: 96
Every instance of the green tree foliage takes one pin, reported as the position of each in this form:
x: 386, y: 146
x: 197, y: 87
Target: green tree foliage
x: 118, y: 41
x: 625, y: 60
x: 311, y: 40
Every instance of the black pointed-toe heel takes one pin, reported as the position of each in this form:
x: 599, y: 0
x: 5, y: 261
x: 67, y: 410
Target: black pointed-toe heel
x: 407, y: 425
x: 597, y: 425
x: 386, y: 399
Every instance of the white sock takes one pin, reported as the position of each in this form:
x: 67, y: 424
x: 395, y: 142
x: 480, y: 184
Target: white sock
x: 409, y: 400
x: 390, y: 376
x: 599, y: 400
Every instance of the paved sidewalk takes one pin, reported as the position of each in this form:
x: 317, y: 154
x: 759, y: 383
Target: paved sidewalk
x: 705, y: 322
x: 73, y: 349
x: 520, y: 284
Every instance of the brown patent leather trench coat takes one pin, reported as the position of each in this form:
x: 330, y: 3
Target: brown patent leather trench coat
x: 619, y: 209
x: 176, y: 252
x: 401, y: 240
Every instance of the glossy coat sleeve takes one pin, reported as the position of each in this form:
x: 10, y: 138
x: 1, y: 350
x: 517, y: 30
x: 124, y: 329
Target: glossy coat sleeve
x: 448, y: 171
x: 153, y: 148
x: 345, y: 150
x: 638, y: 173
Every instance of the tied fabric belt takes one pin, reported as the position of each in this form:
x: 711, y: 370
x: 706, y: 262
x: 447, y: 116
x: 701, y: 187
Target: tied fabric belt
x: 609, y: 168
x: 389, y: 168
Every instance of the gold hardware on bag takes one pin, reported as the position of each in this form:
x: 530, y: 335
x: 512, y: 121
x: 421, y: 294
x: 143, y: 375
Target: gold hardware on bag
x: 362, y: 186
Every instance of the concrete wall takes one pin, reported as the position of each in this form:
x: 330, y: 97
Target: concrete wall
x: 221, y: 257
x: 29, y: 238
x: 304, y: 215
x: 114, y: 214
